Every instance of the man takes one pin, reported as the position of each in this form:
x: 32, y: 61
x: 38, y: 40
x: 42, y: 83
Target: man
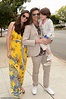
x: 32, y: 41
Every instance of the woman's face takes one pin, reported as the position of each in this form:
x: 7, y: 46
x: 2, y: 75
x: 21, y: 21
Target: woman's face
x: 42, y: 17
x: 35, y: 15
x: 24, y: 17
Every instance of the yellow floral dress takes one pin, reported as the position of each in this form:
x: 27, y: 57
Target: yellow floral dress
x: 17, y: 64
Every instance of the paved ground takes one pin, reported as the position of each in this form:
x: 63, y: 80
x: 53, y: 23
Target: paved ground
x: 57, y: 78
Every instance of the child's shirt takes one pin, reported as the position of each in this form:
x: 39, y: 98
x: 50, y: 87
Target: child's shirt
x: 47, y: 28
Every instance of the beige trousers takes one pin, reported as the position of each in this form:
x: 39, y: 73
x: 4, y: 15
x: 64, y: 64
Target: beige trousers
x: 36, y: 64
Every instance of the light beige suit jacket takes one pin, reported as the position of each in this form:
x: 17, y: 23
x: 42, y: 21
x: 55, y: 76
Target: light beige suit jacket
x: 29, y: 36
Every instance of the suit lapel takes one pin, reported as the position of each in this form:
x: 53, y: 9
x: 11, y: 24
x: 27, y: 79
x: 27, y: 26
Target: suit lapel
x: 33, y: 26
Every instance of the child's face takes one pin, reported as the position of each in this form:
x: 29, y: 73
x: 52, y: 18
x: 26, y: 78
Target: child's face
x: 42, y: 17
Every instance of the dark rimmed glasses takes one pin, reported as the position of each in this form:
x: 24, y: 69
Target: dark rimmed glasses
x: 37, y: 14
x: 25, y: 17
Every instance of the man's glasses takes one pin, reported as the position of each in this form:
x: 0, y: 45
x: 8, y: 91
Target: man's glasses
x: 25, y: 17
x: 37, y: 14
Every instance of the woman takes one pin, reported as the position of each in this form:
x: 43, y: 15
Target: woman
x: 31, y: 39
x: 17, y: 54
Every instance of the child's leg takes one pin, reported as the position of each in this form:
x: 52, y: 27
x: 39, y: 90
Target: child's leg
x: 48, y: 51
x: 44, y: 47
x: 49, y: 54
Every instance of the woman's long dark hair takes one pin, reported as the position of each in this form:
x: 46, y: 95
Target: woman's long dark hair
x: 18, y: 28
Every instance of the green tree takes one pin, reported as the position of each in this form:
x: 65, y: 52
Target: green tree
x: 61, y: 13
x: 8, y: 11
x: 54, y: 19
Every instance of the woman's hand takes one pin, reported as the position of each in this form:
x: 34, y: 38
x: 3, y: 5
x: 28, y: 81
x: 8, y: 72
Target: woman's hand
x: 8, y: 54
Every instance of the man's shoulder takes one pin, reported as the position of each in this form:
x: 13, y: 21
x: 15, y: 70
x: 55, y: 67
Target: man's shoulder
x: 28, y: 26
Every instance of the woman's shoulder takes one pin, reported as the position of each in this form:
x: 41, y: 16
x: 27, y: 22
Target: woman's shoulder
x: 11, y: 24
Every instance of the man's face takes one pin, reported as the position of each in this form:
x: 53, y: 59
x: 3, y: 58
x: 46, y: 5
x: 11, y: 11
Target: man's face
x: 35, y: 15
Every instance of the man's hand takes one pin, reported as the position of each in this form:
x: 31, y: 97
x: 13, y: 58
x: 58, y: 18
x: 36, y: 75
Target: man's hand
x: 47, y: 41
x: 43, y: 41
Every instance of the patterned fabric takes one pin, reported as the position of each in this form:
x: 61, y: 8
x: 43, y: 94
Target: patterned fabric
x: 17, y: 64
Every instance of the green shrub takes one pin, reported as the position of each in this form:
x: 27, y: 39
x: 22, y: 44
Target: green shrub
x: 61, y: 26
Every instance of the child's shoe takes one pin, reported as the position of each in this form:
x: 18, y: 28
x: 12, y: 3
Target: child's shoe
x: 47, y: 63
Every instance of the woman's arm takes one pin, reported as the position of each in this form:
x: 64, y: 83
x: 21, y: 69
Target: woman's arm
x: 8, y: 39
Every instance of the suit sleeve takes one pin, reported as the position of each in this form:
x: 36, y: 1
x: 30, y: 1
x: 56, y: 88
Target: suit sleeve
x: 26, y: 37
